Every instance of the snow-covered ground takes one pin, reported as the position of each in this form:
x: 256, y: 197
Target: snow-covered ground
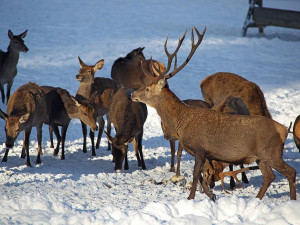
x: 85, y: 190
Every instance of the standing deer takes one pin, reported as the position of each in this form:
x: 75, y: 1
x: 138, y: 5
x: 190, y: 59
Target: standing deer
x: 61, y: 108
x: 128, y: 118
x: 26, y: 108
x: 220, y: 85
x: 207, y: 134
x: 9, y: 61
x: 105, y: 88
x: 127, y: 71
x: 296, y: 132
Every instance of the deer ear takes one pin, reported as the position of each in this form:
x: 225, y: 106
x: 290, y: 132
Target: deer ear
x: 24, y: 118
x: 23, y: 35
x: 10, y: 34
x: 109, y: 138
x: 82, y: 64
x: 162, y: 82
x: 141, y: 49
x: 3, y: 115
x: 99, y: 65
x: 75, y: 101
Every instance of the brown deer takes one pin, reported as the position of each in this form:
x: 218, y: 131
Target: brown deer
x: 127, y: 71
x: 26, y: 108
x: 220, y: 85
x: 105, y: 88
x: 61, y: 108
x: 128, y: 118
x: 296, y: 132
x: 207, y: 134
x: 9, y: 61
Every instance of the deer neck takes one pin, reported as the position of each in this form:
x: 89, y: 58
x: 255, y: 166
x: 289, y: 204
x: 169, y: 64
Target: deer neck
x: 70, y: 106
x: 12, y: 56
x: 84, y: 91
x: 171, y: 111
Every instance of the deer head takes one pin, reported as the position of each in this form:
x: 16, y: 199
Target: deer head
x: 150, y: 94
x: 17, y: 42
x: 86, y: 73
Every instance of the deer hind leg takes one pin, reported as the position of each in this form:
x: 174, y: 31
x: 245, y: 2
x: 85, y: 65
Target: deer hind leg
x: 290, y: 173
x: 23, y: 153
x: 179, y: 153
x: 58, y: 138
x: 39, y: 138
x: 101, y: 128
x: 232, y: 182
x: 26, y: 139
x: 92, y: 136
x: 51, y: 136
x: 108, y: 128
x: 4, y: 159
x: 63, y: 139
x: 136, y: 152
x: 172, y: 146
x: 244, y: 177
x: 2, y: 93
x: 140, y: 148
x: 84, y: 133
x: 9, y: 84
x: 268, y: 176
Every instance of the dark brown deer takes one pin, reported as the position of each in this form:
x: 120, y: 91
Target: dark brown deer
x: 128, y: 118
x: 105, y: 88
x: 61, y: 108
x: 296, y: 132
x: 220, y: 85
x: 207, y: 134
x: 127, y: 72
x: 26, y: 108
x: 9, y: 61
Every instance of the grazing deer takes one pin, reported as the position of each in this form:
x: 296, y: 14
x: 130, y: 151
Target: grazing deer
x: 210, y: 135
x: 9, y: 61
x: 296, y: 132
x: 105, y: 88
x: 61, y: 108
x: 127, y: 71
x: 128, y: 118
x: 26, y: 108
x: 220, y: 85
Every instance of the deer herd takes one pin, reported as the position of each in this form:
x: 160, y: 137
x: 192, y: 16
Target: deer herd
x: 232, y: 126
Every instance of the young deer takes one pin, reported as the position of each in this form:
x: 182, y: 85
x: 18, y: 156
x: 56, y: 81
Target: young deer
x: 26, y: 108
x: 61, y: 108
x: 207, y: 134
x: 105, y: 88
x: 9, y: 61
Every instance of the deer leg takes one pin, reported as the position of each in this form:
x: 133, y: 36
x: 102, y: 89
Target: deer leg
x: 136, y: 152
x: 63, y: 139
x: 179, y: 153
x: 244, y: 177
x: 108, y: 128
x: 232, y: 182
x: 84, y: 133
x: 140, y: 147
x: 51, y: 136
x: 268, y: 176
x: 290, y: 173
x: 126, y: 167
x: 39, y: 138
x: 172, y: 146
x: 92, y: 136
x: 2, y: 93
x: 100, y: 132
x: 4, y: 159
x: 23, y: 153
x: 26, y: 138
x: 9, y: 84
x: 58, y: 138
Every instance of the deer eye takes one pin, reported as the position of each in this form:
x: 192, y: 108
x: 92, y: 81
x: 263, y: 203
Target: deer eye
x: 147, y: 89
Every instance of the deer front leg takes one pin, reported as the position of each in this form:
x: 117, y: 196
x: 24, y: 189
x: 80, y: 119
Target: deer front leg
x: 9, y: 84
x: 39, y: 138
x: 179, y: 153
x: 4, y: 159
x: 136, y: 152
x: 140, y: 147
x: 23, y: 153
x: 108, y: 127
x: 92, y: 136
x: 51, y: 136
x: 2, y: 93
x: 58, y: 138
x: 26, y: 138
x: 63, y: 139
x: 100, y: 132
x: 172, y: 146
x: 196, y: 175
x: 84, y: 133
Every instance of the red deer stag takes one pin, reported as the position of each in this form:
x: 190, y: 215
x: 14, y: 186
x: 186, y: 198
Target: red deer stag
x: 207, y: 134
x: 61, y: 108
x: 9, y: 61
x: 26, y: 108
x: 296, y: 132
x: 128, y: 118
x: 105, y: 88
x: 127, y: 71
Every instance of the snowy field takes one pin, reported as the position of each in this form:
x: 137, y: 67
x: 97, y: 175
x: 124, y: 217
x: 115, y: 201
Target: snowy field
x: 86, y: 190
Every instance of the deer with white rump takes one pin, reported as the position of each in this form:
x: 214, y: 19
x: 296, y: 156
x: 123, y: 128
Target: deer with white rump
x: 9, y: 61
x: 207, y: 134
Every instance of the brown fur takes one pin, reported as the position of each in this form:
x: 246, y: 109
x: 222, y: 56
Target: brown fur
x: 105, y: 88
x: 220, y: 85
x: 26, y: 108
x: 207, y: 134
x: 296, y: 132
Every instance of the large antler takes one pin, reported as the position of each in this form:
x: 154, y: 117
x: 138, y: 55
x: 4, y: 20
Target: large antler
x: 174, y: 55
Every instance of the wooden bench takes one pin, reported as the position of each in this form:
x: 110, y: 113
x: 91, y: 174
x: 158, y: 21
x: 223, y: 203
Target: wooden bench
x: 259, y: 16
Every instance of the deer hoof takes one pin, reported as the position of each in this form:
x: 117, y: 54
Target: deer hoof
x: 62, y: 157
x: 213, y: 197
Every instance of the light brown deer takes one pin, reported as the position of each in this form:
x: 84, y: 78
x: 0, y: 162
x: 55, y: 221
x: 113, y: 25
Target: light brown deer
x: 207, y: 134
x: 26, y: 108
x: 105, y: 88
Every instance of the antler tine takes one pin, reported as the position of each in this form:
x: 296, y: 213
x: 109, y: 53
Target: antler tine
x: 193, y: 49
